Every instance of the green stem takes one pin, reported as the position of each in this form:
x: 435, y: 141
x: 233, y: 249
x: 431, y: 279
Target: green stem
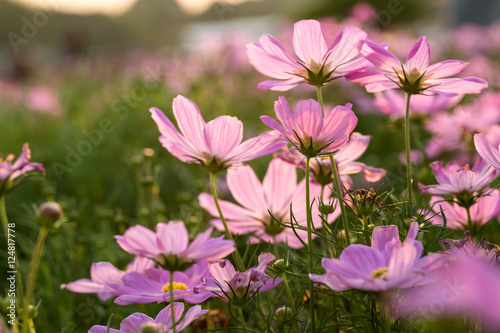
x: 236, y: 254
x: 242, y: 319
x: 309, y: 242
x: 469, y: 220
x: 290, y: 299
x: 409, y: 184
x: 328, y: 245
x: 365, y: 228
x: 19, y: 281
x: 33, y: 270
x: 320, y: 99
x: 172, y: 310
x: 386, y: 320
x: 338, y: 188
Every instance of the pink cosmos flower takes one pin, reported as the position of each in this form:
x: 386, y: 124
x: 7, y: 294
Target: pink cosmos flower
x: 388, y: 264
x: 345, y: 159
x: 154, y: 286
x: 102, y: 273
x: 489, y: 153
x: 470, y: 288
x: 460, y: 248
x: 216, y: 144
x: 308, y: 130
x: 459, y: 181
x: 318, y: 64
x: 170, y: 246
x: 139, y: 322
x: 481, y: 212
x: 275, y: 194
x: 415, y: 75
x: 236, y: 287
x: 9, y: 171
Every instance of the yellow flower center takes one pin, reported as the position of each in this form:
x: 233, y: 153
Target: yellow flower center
x: 380, y: 273
x: 175, y: 286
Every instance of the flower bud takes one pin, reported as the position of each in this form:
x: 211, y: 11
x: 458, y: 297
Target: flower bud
x: 284, y: 314
x: 326, y: 209
x: 49, y: 213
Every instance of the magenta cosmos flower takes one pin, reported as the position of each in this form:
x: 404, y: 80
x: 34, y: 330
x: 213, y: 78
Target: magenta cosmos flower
x: 470, y: 288
x: 216, y: 144
x: 10, y: 172
x: 456, y: 249
x: 486, y: 150
x: 308, y: 130
x: 317, y: 65
x: 481, y: 212
x: 275, y: 194
x: 461, y: 182
x: 236, y: 287
x: 154, y: 286
x: 103, y: 273
x: 388, y: 264
x: 139, y: 323
x: 415, y: 75
x: 170, y: 246
x: 345, y: 159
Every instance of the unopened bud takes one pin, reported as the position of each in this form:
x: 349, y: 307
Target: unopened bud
x: 49, y: 213
x: 326, y: 209
x: 284, y: 314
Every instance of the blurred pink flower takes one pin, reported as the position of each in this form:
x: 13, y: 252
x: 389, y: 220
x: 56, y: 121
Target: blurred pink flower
x: 416, y: 157
x: 345, y: 159
x: 388, y: 264
x: 236, y: 287
x: 470, y: 287
x: 138, y: 322
x: 489, y: 153
x: 10, y: 172
x: 103, y: 273
x: 393, y: 103
x: 310, y: 131
x: 482, y: 211
x: 154, y: 286
x: 414, y: 76
x: 41, y: 99
x: 461, y: 248
x: 170, y: 246
x: 459, y: 181
x: 274, y: 195
x: 318, y: 64
x: 216, y: 144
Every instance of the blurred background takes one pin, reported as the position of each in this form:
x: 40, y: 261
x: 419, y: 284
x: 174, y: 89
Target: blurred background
x: 77, y: 78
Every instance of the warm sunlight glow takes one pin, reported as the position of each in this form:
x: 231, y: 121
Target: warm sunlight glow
x: 196, y: 7
x: 108, y: 7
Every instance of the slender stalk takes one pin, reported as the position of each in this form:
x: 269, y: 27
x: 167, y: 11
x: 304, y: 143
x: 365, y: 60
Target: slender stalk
x: 365, y: 228
x: 236, y: 254
x: 328, y: 245
x: 290, y: 299
x: 408, y: 155
x: 320, y: 99
x: 172, y: 310
x: 386, y: 320
x: 336, y: 179
x: 309, y: 242
x: 242, y: 319
x: 338, y: 188
x: 469, y: 220
x: 19, y: 281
